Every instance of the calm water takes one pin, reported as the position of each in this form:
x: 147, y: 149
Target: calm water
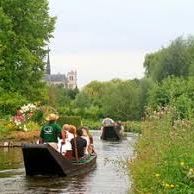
x: 110, y: 175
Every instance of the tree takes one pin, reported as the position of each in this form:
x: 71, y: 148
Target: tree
x: 173, y: 60
x: 122, y: 100
x: 176, y: 92
x: 26, y: 28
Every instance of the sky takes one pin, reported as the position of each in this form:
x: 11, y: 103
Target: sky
x: 107, y: 39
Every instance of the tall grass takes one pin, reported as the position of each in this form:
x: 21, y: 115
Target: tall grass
x: 164, y: 161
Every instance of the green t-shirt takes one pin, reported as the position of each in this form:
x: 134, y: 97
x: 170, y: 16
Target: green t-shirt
x: 50, y: 132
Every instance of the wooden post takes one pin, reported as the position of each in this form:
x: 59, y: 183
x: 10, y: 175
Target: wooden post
x: 75, y: 144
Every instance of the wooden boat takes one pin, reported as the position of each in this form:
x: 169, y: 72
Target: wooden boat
x: 111, y: 133
x: 42, y: 159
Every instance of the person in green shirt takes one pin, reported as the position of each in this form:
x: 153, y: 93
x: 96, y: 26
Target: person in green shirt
x: 51, y: 131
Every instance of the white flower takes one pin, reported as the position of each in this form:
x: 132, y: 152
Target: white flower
x: 25, y: 128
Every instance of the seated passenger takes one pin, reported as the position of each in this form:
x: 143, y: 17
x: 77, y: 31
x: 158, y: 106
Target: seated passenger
x: 88, y: 137
x: 79, y: 145
x: 119, y: 127
x: 68, y: 133
x: 64, y: 143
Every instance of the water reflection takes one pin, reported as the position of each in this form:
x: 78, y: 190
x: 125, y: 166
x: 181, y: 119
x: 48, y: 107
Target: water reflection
x: 110, y: 175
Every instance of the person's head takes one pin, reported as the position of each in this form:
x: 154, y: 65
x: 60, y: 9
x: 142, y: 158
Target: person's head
x: 72, y: 129
x: 79, y: 131
x: 66, y: 127
x: 85, y: 131
x: 119, y: 123
x: 52, y: 117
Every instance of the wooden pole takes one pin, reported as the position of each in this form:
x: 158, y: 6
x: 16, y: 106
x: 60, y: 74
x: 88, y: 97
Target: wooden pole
x: 75, y: 144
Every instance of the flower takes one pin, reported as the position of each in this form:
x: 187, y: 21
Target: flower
x: 22, y: 115
x: 28, y: 108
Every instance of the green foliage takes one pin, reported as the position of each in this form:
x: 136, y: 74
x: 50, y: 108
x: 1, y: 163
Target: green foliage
x: 31, y: 125
x: 42, y: 112
x: 93, y: 112
x: 164, y: 155
x: 176, y: 59
x: 92, y: 124
x: 58, y: 96
x: 73, y: 120
x: 10, y: 101
x: 175, y: 92
x: 82, y: 100
x: 72, y: 93
x: 38, y: 116
x: 6, y: 125
x: 25, y: 31
x: 121, y: 100
x: 132, y: 126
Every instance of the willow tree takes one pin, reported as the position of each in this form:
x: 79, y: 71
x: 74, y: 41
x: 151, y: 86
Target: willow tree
x: 25, y: 30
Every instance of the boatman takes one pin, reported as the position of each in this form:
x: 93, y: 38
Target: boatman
x: 51, y: 131
x: 107, y: 122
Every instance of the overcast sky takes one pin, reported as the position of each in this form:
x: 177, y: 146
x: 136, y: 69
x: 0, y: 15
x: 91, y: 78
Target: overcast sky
x: 106, y: 39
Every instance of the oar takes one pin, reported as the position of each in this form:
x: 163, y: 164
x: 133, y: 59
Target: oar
x: 75, y: 144
x: 61, y: 147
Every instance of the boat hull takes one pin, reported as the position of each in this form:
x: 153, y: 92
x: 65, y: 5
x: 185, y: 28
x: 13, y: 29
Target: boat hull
x: 110, y: 133
x: 42, y: 159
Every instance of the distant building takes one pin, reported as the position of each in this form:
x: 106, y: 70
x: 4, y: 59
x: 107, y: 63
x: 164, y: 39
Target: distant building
x: 69, y: 81
x: 72, y: 79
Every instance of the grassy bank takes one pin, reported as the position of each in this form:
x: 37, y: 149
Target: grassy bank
x: 19, y: 136
x: 164, y: 160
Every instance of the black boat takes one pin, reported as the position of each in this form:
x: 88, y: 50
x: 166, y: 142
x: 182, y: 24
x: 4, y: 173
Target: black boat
x: 42, y: 159
x: 111, y: 133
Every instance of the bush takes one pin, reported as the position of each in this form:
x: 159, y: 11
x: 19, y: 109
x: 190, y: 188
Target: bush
x: 73, y: 120
x: 132, y: 126
x: 94, y: 125
x: 9, y: 102
x: 164, y: 156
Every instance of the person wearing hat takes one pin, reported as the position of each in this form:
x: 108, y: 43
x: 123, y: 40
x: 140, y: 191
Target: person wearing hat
x: 107, y: 121
x: 51, y: 131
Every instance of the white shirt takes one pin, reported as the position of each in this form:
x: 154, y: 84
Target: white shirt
x: 67, y: 145
x: 107, y: 122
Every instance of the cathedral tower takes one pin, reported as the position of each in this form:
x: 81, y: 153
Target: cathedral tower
x: 72, y: 79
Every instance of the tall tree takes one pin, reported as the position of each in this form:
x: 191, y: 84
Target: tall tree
x: 122, y: 101
x: 26, y: 28
x: 172, y: 60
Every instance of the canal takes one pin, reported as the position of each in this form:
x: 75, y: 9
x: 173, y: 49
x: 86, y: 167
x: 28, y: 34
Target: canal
x: 111, y: 175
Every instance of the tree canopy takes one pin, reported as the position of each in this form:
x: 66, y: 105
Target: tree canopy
x: 25, y: 30
x: 176, y: 59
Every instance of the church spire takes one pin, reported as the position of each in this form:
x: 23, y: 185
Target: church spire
x: 48, y: 67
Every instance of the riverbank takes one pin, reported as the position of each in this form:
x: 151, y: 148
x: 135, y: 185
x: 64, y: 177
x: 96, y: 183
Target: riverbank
x: 17, y: 138
x: 164, y: 156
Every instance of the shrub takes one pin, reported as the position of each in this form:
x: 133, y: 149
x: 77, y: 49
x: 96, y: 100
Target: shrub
x: 164, y: 155
x: 132, y: 126
x: 91, y: 124
x: 73, y: 120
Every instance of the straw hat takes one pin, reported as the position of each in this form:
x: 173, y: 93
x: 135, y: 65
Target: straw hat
x: 52, y: 117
